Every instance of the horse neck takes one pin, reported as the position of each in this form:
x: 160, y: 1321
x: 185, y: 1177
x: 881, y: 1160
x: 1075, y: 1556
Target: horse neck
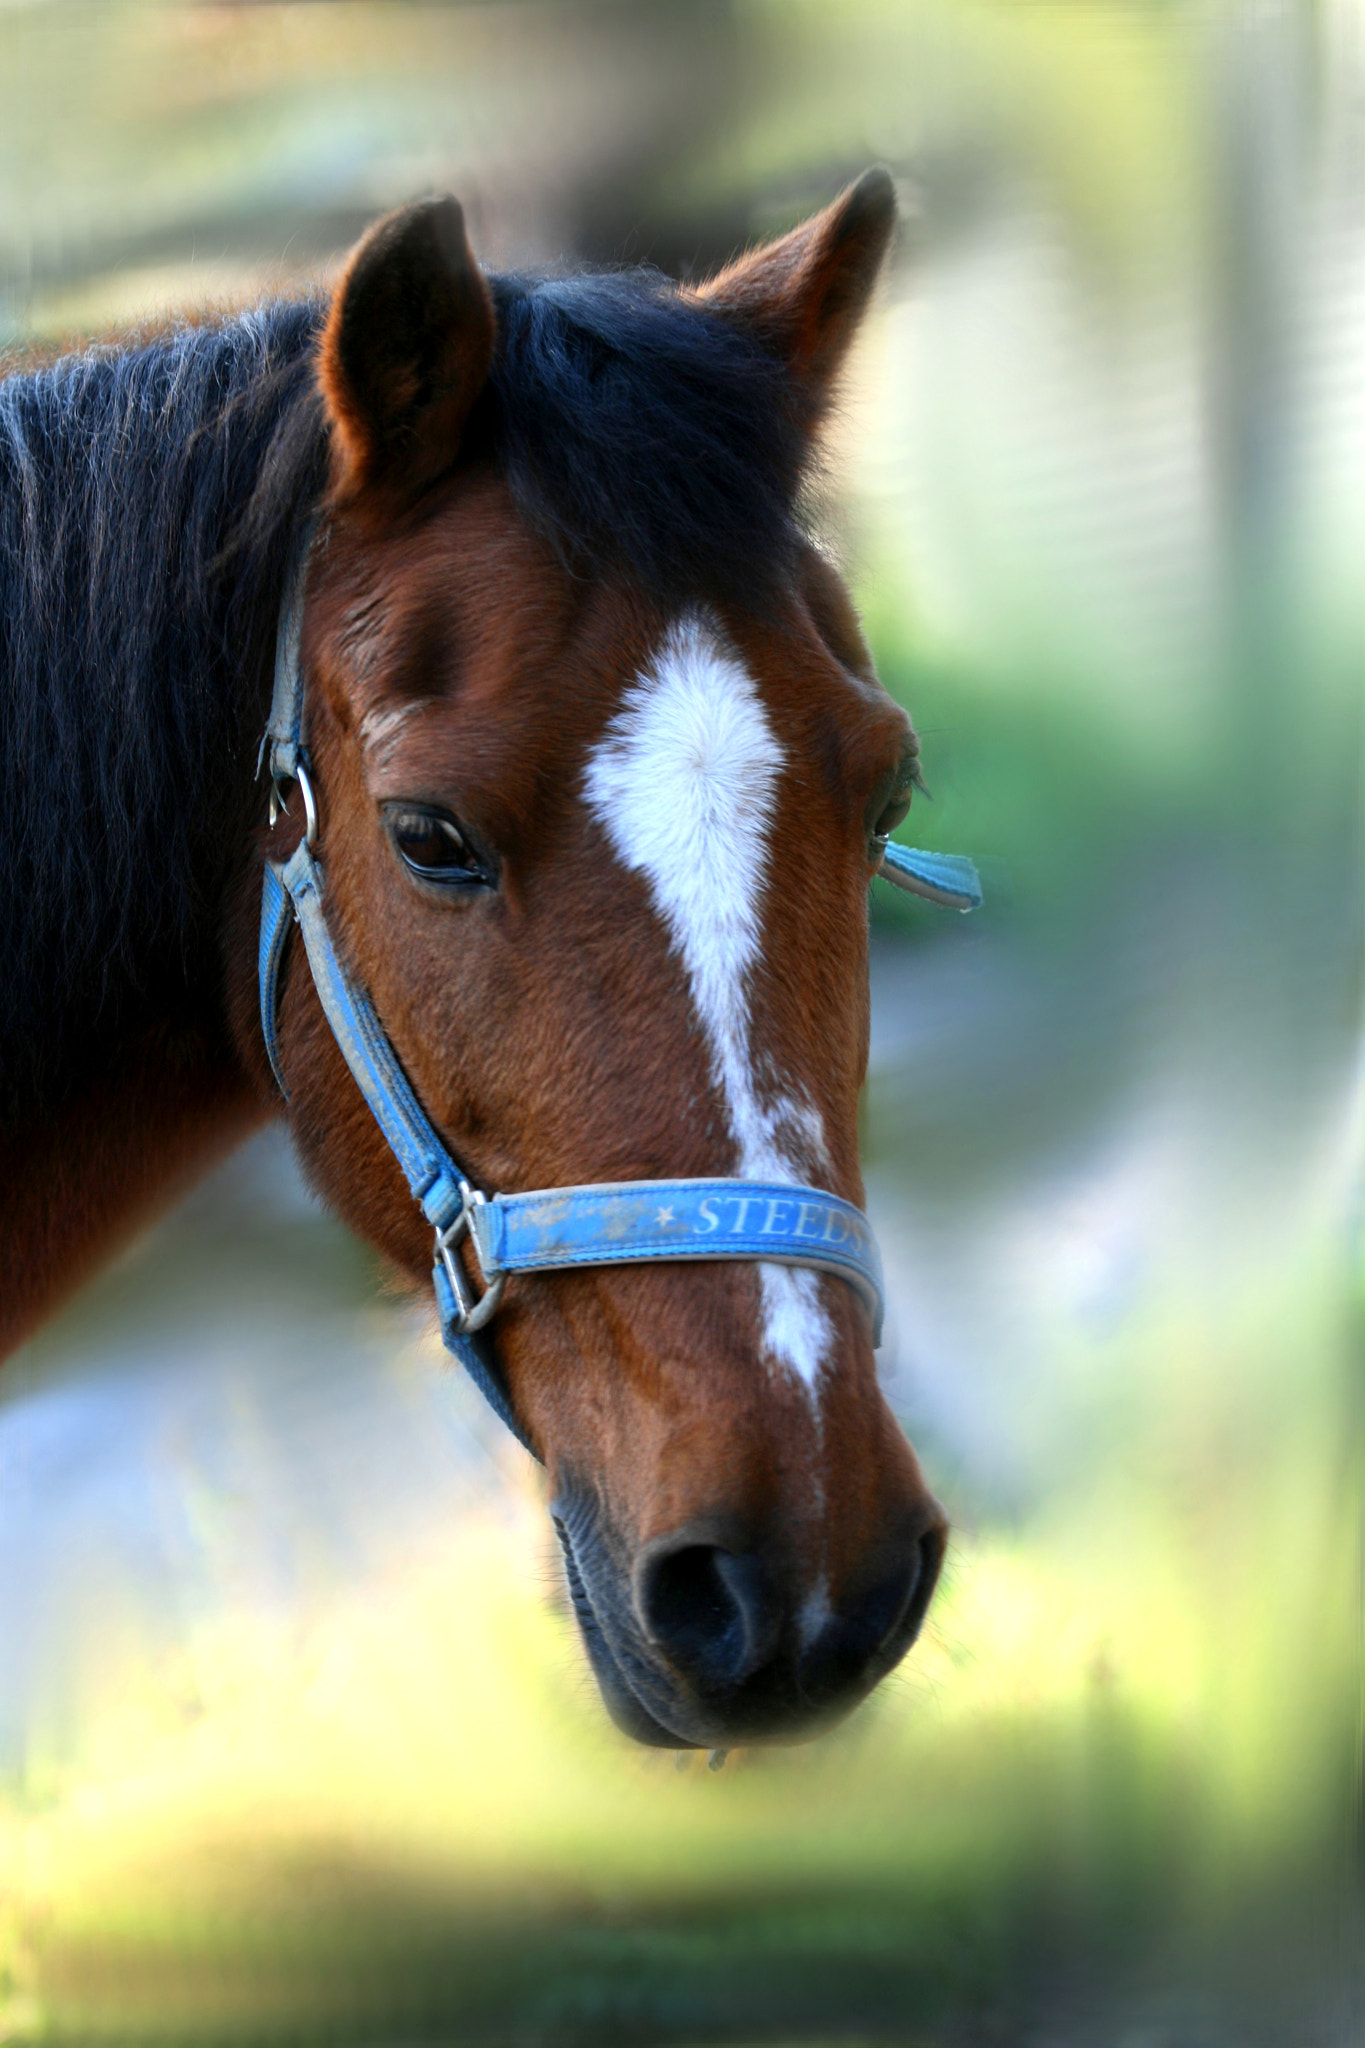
x: 148, y: 498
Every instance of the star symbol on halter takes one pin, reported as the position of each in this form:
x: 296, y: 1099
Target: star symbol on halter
x: 664, y: 1216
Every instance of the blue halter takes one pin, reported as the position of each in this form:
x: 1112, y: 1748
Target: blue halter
x: 549, y: 1230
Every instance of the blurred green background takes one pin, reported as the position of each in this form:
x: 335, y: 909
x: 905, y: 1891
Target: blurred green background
x: 295, y: 1739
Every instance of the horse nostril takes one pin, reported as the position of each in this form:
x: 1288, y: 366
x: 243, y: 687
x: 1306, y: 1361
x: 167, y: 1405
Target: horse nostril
x: 879, y: 1623
x: 897, y: 1604
x: 930, y: 1549
x: 707, y: 1609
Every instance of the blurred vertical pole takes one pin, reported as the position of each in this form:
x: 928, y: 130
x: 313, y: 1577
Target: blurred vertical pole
x: 1260, y: 76
x: 1287, y: 337
x: 1257, y: 233
x: 1290, y: 741
x: 17, y: 27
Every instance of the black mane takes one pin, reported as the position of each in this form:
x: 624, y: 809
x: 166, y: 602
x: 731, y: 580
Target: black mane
x: 149, y: 496
x: 132, y: 665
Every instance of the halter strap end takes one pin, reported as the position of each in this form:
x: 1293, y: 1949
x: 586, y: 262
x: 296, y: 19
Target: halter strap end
x: 949, y: 879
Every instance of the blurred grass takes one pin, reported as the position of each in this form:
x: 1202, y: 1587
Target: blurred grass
x: 1116, y: 1742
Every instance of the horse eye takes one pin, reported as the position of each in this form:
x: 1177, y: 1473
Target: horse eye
x: 898, y: 803
x: 432, y: 846
x: 891, y: 816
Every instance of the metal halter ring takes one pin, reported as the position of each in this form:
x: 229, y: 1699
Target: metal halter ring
x: 279, y: 803
x: 475, y: 1310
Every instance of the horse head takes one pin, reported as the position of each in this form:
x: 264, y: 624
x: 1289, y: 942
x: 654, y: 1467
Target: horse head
x: 601, y: 763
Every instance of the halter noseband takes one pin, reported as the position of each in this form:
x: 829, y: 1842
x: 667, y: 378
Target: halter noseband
x: 554, y: 1229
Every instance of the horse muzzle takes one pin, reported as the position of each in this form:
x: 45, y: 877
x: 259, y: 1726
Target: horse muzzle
x: 703, y: 1640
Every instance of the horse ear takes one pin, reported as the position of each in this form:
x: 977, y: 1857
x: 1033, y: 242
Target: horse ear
x: 405, y: 351
x: 803, y: 296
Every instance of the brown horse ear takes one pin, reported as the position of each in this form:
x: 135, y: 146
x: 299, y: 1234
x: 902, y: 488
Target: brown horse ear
x: 405, y: 351
x: 804, y: 296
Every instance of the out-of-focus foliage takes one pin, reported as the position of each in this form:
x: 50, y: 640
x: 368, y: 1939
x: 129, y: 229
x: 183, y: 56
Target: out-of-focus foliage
x: 295, y: 1739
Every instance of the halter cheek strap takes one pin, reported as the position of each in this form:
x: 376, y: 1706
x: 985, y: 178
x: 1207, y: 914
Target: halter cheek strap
x: 555, y: 1229
x: 292, y: 893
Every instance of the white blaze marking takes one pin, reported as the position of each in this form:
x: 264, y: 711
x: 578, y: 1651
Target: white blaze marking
x: 815, y: 1612
x: 684, y: 782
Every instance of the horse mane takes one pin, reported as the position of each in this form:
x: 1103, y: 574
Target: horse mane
x: 149, y: 496
x: 642, y: 432
x: 131, y: 662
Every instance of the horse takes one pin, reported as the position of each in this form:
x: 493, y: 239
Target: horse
x: 597, y: 768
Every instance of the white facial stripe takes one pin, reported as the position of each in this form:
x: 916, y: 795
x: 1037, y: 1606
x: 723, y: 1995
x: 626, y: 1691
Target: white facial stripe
x: 815, y: 1612
x: 796, y: 1324
x: 684, y: 783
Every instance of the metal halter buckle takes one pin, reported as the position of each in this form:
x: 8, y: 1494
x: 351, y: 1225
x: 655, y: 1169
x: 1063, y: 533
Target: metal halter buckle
x: 279, y: 802
x: 475, y: 1310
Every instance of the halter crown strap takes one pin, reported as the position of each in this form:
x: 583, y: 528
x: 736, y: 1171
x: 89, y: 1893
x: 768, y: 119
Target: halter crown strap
x: 284, y: 732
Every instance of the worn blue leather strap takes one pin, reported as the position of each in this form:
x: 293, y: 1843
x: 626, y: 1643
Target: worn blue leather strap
x: 277, y: 914
x: 295, y: 890
x: 475, y: 1353
x: 284, y: 733
x: 946, y: 878
x: 615, y: 1222
x: 427, y: 1166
